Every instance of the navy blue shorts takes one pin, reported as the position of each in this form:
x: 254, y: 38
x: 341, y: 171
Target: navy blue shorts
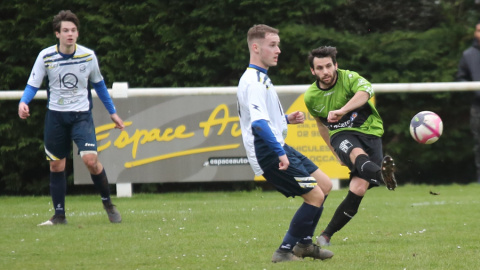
x: 63, y: 127
x: 344, y: 142
x: 297, y: 179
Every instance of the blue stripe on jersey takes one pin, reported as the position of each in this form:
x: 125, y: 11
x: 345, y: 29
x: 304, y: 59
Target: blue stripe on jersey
x: 261, y: 128
x: 48, y: 64
x: 50, y: 54
x: 65, y: 57
x: 265, y: 80
x: 74, y: 63
x: 259, y: 71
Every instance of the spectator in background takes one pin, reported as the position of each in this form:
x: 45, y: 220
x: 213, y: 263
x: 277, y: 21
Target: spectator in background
x: 469, y: 70
x: 70, y: 69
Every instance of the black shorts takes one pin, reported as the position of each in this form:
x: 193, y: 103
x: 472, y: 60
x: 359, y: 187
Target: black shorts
x: 344, y: 142
x: 297, y: 179
x: 63, y: 127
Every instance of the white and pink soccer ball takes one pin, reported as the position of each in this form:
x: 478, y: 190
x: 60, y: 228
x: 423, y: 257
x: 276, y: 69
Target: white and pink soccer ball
x: 426, y: 127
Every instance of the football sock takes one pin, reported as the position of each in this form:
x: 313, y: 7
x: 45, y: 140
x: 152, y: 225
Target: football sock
x: 300, y: 226
x: 344, y: 213
x: 319, y: 214
x: 58, y: 189
x: 316, y: 218
x: 367, y: 169
x: 101, y: 184
x: 289, y: 242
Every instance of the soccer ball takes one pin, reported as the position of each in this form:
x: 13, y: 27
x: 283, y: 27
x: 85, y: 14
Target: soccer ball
x: 426, y: 127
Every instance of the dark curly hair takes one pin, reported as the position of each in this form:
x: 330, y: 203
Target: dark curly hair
x: 322, y: 52
x: 62, y: 16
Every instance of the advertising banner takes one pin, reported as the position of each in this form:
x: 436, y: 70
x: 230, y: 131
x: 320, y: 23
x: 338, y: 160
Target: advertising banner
x: 189, y: 138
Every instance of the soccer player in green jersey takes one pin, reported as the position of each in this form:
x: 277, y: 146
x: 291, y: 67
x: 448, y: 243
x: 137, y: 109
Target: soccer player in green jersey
x: 350, y: 125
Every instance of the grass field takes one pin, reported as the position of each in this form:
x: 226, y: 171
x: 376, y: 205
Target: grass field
x: 405, y: 229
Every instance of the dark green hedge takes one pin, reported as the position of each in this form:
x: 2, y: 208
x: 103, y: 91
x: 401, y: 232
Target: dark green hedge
x: 202, y: 43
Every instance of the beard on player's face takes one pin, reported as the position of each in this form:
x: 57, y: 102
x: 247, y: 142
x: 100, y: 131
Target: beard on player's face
x: 327, y: 79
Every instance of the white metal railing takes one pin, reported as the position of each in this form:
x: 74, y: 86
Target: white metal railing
x: 124, y: 91
x: 121, y: 90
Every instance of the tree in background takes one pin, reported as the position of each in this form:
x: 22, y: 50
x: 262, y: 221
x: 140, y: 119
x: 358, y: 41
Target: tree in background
x: 202, y: 43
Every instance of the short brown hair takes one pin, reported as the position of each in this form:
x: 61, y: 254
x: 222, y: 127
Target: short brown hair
x: 259, y: 31
x: 322, y: 52
x: 62, y: 16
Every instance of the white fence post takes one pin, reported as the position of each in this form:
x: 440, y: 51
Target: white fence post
x: 120, y: 90
x: 335, y: 184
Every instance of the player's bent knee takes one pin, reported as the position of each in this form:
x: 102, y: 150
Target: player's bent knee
x: 323, y: 181
x: 358, y: 186
x: 314, y: 197
x: 57, y: 165
x: 355, y: 153
x: 90, y: 159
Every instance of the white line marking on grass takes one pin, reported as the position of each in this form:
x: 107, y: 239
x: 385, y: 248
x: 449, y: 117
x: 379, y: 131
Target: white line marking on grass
x: 429, y: 203
x: 442, y: 203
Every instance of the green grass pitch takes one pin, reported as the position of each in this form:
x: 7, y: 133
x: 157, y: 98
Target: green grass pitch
x: 404, y: 229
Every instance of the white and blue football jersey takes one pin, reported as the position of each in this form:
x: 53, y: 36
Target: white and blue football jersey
x: 258, y: 100
x: 67, y: 77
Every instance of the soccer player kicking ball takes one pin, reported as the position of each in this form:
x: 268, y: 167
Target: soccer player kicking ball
x: 70, y: 68
x: 350, y: 125
x: 264, y: 128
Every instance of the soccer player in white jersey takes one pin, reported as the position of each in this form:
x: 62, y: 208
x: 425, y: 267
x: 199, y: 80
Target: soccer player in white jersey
x: 69, y: 69
x: 264, y: 128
